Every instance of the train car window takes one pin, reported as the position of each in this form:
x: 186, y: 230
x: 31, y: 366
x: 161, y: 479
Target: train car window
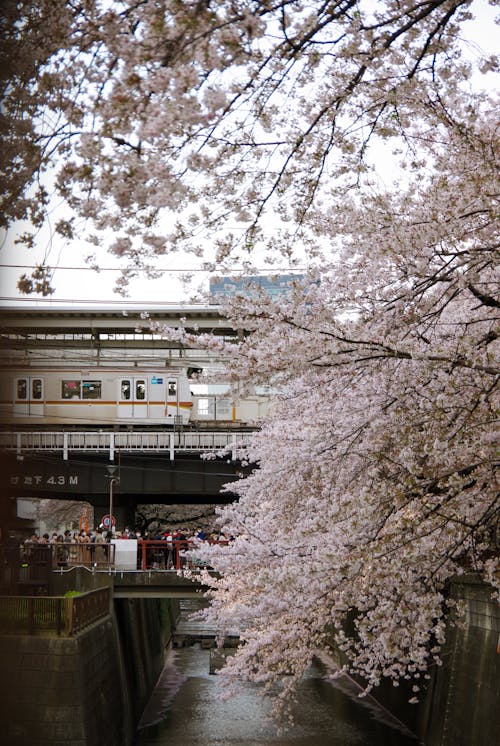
x: 22, y: 388
x: 203, y: 407
x: 172, y: 388
x: 36, y: 388
x: 91, y: 389
x: 140, y: 390
x: 70, y: 389
x: 125, y: 390
x: 223, y: 409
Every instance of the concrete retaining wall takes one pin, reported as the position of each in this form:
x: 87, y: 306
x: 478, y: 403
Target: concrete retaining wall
x: 461, y: 704
x: 89, y: 690
x: 461, y: 707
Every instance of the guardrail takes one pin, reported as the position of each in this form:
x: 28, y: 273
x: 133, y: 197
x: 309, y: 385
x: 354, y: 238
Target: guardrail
x: 52, y: 615
x: 99, y: 555
x: 110, y: 442
x: 61, y: 555
x: 28, y: 567
x: 31, y: 564
x: 168, y: 554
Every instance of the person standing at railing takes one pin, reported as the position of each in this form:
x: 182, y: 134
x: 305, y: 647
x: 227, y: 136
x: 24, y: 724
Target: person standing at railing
x: 170, y: 553
x: 181, y: 545
x: 70, y: 539
x: 107, y: 540
x: 159, y: 556
x: 83, y: 539
x: 138, y: 536
x: 61, y: 552
x: 28, y: 548
x: 100, y: 556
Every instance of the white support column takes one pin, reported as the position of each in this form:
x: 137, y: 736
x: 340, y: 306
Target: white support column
x: 111, y: 446
x: 171, y: 440
x: 18, y: 445
x: 65, y: 446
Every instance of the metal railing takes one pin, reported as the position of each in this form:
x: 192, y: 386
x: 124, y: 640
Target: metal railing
x: 110, y: 442
x: 168, y: 554
x: 52, y: 615
x: 162, y: 555
x: 62, y: 555
x: 29, y: 566
x: 87, y: 609
x: 98, y: 555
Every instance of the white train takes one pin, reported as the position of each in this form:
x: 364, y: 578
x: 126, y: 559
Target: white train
x: 111, y: 397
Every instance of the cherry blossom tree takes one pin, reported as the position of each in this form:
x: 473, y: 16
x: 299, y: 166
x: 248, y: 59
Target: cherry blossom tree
x: 154, y: 517
x: 58, y: 515
x: 211, y: 125
x: 377, y: 476
x: 250, y: 129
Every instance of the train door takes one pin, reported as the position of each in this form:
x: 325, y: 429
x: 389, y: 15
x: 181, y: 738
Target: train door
x: 29, y: 396
x: 133, y: 398
x: 172, y: 399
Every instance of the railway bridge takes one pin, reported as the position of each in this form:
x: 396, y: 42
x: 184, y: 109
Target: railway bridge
x: 159, y: 467
x: 151, y: 466
x: 140, y: 464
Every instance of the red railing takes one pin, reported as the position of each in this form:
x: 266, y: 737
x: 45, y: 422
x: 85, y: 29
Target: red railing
x: 162, y: 555
x: 33, y: 563
x: 167, y: 554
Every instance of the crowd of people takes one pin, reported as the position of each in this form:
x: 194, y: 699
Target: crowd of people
x: 70, y: 537
x: 101, y: 535
x: 160, y: 549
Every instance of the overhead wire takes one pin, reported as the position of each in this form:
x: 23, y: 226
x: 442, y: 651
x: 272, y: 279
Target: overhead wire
x: 234, y: 270
x: 48, y: 458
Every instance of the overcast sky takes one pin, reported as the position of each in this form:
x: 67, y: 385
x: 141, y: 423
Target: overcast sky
x: 75, y: 281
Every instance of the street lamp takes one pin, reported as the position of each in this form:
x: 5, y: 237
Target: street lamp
x: 112, y: 480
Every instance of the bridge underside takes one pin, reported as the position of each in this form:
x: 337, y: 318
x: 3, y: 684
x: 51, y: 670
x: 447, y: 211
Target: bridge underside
x: 154, y: 585
x: 143, y: 478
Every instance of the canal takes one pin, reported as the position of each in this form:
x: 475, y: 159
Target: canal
x: 186, y: 710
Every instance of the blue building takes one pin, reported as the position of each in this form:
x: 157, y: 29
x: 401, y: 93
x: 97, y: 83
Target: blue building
x: 276, y: 286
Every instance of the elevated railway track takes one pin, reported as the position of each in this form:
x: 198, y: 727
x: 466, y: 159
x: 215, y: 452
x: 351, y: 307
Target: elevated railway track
x: 86, y: 386
x: 112, y: 333
x: 111, y: 443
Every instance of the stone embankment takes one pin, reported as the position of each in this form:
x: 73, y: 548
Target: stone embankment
x: 87, y: 689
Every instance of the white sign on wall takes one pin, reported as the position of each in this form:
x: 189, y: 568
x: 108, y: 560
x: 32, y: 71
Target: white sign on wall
x: 125, y: 554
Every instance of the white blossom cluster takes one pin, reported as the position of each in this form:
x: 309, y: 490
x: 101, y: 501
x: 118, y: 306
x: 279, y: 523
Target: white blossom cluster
x: 251, y: 126
x: 216, y: 127
x: 376, y: 477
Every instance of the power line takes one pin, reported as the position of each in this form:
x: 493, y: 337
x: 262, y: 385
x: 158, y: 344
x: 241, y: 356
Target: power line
x: 147, y: 269
x: 125, y: 303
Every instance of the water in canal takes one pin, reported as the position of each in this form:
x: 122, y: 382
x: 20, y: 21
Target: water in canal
x: 186, y: 710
